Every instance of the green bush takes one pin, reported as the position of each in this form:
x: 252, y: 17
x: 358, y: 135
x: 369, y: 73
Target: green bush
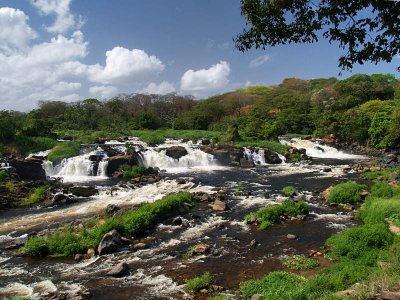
x: 26, y: 145
x: 3, y: 175
x: 385, y: 174
x: 129, y: 172
x: 267, y: 216
x: 275, y: 286
x: 346, y: 192
x: 196, y: 284
x: 383, y: 190
x: 132, y: 223
x: 64, y: 150
x: 376, y: 210
x: 39, y: 194
x: 299, y: 262
x: 288, y: 190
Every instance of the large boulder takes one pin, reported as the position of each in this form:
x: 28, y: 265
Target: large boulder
x: 176, y: 152
x: 109, y: 243
x: 83, y: 191
x: 115, y: 162
x: 120, y: 270
x: 225, y: 154
x: 271, y: 157
x: 29, y: 169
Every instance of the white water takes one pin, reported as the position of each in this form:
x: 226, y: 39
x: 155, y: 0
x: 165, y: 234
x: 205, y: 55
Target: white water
x: 317, y: 150
x: 78, y: 168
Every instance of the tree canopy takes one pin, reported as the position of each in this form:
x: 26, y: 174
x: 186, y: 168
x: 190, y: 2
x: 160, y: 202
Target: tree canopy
x: 367, y: 30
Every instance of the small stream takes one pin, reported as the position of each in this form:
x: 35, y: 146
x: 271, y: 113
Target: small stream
x: 160, y: 270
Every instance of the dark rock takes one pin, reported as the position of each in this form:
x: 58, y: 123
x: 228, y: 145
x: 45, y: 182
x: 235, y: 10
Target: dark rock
x: 83, y: 191
x: 120, y: 270
x: 96, y: 157
x: 111, y: 209
x: 180, y: 181
x: 115, y: 162
x: 177, y: 221
x: 327, y: 169
x: 217, y: 288
x: 29, y: 169
x: 205, y: 197
x: 195, y: 216
x: 109, y: 243
x: 176, y: 152
x: 218, y: 205
x: 79, y: 257
x: 390, y: 158
x: 271, y: 157
x: 58, y: 198
x: 205, y: 142
x: 291, y: 236
x: 244, y: 163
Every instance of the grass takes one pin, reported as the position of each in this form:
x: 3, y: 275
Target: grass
x: 133, y: 223
x: 3, y: 175
x: 346, y: 192
x: 129, y: 172
x: 196, y: 284
x: 222, y: 297
x: 383, y: 190
x: 38, y: 195
x: 26, y: 145
x: 64, y: 150
x: 299, y: 262
x: 373, y: 175
x: 288, y: 190
x: 271, y: 145
x: 269, y: 215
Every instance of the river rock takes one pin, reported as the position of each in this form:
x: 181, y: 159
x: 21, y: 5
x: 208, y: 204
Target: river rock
x: 120, y: 270
x: 58, y: 198
x: 325, y: 194
x: 201, y: 249
x: 111, y: 209
x: 176, y: 152
x: 115, y: 162
x: 29, y: 169
x: 90, y: 253
x: 109, y: 243
x: 271, y: 157
x: 177, y: 221
x: 253, y: 243
x: 180, y: 181
x: 83, y: 191
x: 219, y: 205
x: 205, y: 197
x: 244, y: 163
x: 139, y: 246
x: 291, y: 236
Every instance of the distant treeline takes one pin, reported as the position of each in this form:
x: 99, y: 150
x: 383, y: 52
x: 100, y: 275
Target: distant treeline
x: 363, y: 109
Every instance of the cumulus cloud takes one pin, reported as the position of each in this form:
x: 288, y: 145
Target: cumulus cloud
x: 15, y: 32
x: 103, y: 92
x: 161, y: 89
x: 215, y: 77
x: 64, y: 19
x: 125, y: 66
x: 259, y: 61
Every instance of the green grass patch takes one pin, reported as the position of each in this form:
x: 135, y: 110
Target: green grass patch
x: 346, y: 192
x: 271, y: 145
x: 3, y: 175
x: 196, y: 284
x: 222, y: 297
x: 26, y: 145
x: 300, y: 262
x: 38, y: 195
x: 288, y: 190
x: 383, y: 190
x: 133, y: 223
x: 376, y: 210
x: 64, y: 150
x: 269, y: 215
x: 129, y: 172
x: 373, y: 175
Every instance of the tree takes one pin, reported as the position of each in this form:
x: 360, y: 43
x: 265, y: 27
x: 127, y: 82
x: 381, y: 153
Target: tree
x: 367, y: 30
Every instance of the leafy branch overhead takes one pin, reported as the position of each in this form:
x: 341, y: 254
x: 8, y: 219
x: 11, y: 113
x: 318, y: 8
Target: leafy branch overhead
x: 367, y: 30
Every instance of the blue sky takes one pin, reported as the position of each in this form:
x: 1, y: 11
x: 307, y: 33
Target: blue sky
x: 75, y: 49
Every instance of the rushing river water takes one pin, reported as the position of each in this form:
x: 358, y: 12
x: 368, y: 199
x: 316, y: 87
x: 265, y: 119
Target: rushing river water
x: 159, y: 271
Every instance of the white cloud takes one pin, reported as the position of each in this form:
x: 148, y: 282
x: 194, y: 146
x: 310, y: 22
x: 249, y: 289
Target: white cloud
x: 15, y: 32
x: 103, y: 92
x: 215, y: 77
x: 259, y: 61
x: 63, y: 86
x: 161, y: 89
x: 64, y: 21
x: 125, y: 66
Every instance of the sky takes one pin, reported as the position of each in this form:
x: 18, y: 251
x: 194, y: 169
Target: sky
x: 71, y: 50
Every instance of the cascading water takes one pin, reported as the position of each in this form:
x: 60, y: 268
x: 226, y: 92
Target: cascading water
x: 85, y: 167
x: 317, y: 150
x: 257, y: 156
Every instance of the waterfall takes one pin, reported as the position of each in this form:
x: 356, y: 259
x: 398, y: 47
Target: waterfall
x: 257, y: 156
x: 79, y: 168
x: 317, y: 150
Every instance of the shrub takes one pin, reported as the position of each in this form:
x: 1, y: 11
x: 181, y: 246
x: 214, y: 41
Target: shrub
x: 26, y: 145
x: 3, y: 175
x: 64, y: 150
x: 385, y: 174
x: 346, y: 192
x: 267, y: 216
x: 132, y: 223
x: 129, y: 172
x: 376, y: 210
x: 39, y: 194
x: 288, y: 190
x: 275, y: 286
x: 196, y: 284
x: 382, y: 190
x: 299, y: 262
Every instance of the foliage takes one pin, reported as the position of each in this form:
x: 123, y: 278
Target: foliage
x: 64, y: 150
x: 196, y: 284
x: 132, y: 223
x: 299, y: 262
x: 3, y: 175
x: 365, y: 30
x: 269, y: 215
x: 372, y: 175
x: 27, y: 145
x: 288, y: 190
x: 129, y: 172
x: 39, y: 194
x: 346, y: 192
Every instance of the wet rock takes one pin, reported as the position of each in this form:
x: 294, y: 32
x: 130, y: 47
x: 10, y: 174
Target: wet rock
x: 180, y: 181
x: 205, y: 142
x: 115, y: 162
x: 195, y: 216
x: 109, y: 243
x: 327, y: 169
x: 256, y: 297
x: 201, y: 249
x: 176, y: 152
x: 271, y: 157
x: 58, y: 198
x: 346, y: 206
x: 253, y: 243
x: 90, y: 253
x: 244, y: 163
x: 205, y: 197
x: 177, y: 221
x: 120, y: 270
x: 111, y: 209
x: 291, y: 236
x: 139, y: 246
x: 83, y: 191
x: 325, y: 194
x: 79, y: 257
x: 29, y: 169
x: 217, y: 288
x: 219, y: 205
x: 96, y: 157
